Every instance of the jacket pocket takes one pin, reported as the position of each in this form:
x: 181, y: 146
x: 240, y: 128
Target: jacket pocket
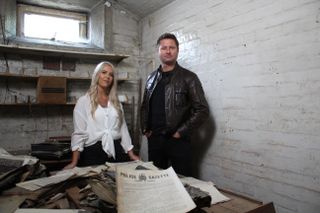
x: 180, y: 98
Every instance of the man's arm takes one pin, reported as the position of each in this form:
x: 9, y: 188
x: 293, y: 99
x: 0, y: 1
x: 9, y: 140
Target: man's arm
x: 199, y: 107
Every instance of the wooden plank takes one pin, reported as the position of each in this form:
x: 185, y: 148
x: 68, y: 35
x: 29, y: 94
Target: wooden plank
x: 9, y: 204
x: 233, y: 194
x: 267, y: 208
x: 14, y: 75
x: 62, y: 204
x: 218, y: 209
x: 239, y: 204
x: 74, y: 196
x: 47, y: 211
x: 35, y: 77
x: 99, y: 56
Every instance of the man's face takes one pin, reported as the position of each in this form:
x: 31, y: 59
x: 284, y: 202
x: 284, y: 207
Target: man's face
x: 168, y: 51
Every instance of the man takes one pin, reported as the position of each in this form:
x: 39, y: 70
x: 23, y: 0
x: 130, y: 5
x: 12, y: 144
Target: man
x: 173, y: 106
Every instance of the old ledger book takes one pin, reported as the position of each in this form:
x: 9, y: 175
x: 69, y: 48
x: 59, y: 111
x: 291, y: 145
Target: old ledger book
x: 151, y: 191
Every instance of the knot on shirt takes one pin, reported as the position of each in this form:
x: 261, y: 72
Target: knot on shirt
x: 107, y: 140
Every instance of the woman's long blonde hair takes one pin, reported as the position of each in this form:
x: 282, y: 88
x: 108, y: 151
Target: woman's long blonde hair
x: 93, y: 90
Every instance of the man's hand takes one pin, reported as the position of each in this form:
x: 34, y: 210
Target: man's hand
x: 176, y: 135
x: 147, y: 133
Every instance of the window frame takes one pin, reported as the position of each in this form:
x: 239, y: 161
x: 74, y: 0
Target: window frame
x: 22, y: 9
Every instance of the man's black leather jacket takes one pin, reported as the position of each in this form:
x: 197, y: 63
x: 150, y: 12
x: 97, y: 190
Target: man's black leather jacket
x: 186, y: 107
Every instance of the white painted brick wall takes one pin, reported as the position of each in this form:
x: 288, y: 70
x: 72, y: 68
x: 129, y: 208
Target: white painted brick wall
x: 259, y: 64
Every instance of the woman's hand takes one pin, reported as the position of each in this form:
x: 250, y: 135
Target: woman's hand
x: 133, y: 156
x: 74, y: 161
x: 70, y: 166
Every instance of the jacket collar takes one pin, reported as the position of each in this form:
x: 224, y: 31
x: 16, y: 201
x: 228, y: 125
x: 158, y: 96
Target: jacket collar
x: 176, y: 67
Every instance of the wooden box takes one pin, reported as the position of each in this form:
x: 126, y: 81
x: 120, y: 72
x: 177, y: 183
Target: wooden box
x: 51, y: 90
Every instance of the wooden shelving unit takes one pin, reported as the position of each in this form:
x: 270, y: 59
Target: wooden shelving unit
x: 30, y: 51
x: 35, y: 78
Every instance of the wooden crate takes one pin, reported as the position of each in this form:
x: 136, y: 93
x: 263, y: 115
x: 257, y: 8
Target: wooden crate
x: 51, y: 90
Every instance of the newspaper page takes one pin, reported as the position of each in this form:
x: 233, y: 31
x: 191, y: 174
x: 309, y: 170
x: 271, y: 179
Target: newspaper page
x: 33, y: 185
x: 131, y: 165
x: 153, y: 191
x: 207, y: 186
x: 61, y: 176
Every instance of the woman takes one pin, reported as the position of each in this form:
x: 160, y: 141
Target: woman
x: 100, y: 131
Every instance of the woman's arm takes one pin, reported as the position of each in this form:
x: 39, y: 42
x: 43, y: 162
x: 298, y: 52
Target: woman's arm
x: 133, y: 156
x: 79, y: 135
x: 74, y: 161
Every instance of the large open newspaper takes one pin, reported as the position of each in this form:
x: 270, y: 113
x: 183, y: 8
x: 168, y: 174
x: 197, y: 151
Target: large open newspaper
x: 151, y: 191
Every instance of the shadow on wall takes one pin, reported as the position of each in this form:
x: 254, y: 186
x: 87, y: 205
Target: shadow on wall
x: 201, y: 141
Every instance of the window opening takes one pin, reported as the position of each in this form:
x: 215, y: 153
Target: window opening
x: 51, y: 24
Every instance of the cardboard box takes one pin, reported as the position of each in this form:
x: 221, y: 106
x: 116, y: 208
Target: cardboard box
x: 51, y: 90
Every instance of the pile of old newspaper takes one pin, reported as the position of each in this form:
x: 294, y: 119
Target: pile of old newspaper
x: 124, y: 187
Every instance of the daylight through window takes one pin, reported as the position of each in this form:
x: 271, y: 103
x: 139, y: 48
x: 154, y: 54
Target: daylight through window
x: 51, y: 24
x: 40, y: 26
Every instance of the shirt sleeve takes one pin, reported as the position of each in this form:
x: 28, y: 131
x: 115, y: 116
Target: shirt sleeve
x: 80, y: 120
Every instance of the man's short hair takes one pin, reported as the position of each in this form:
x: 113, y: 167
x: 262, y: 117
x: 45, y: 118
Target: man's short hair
x: 168, y: 36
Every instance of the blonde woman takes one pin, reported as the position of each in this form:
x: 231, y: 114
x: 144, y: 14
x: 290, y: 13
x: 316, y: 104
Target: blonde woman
x: 100, y: 131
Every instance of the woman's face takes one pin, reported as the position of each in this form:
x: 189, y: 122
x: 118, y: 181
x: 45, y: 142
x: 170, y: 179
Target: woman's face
x: 106, y: 77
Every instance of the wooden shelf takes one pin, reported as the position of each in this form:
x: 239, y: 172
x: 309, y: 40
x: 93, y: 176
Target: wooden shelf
x: 13, y: 49
x: 35, y: 104
x: 42, y: 105
x: 35, y: 77
x: 11, y: 75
